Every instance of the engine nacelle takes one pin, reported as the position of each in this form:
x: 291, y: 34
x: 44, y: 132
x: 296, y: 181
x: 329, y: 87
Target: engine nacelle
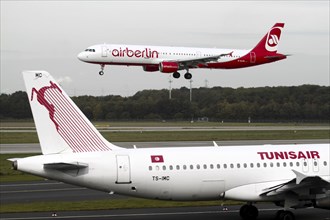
x: 151, y: 68
x: 168, y: 67
x: 322, y: 203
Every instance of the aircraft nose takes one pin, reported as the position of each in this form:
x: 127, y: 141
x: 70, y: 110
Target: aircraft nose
x: 82, y: 56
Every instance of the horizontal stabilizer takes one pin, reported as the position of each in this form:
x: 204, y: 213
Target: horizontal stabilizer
x: 65, y: 166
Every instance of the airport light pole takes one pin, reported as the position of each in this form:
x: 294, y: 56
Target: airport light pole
x: 190, y: 82
x: 170, y: 88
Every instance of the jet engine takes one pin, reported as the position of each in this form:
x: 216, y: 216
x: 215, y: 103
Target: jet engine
x: 322, y: 203
x: 151, y: 68
x: 168, y: 67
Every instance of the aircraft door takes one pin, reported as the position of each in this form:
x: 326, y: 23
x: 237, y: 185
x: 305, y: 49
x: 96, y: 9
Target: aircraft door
x: 253, y: 57
x: 104, y: 51
x: 123, y: 169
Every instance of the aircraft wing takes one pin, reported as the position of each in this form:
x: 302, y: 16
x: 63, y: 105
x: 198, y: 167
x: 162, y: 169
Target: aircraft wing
x: 298, y: 185
x: 193, y: 63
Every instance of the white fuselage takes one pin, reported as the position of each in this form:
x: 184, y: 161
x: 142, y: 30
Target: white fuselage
x: 142, y: 55
x: 198, y: 173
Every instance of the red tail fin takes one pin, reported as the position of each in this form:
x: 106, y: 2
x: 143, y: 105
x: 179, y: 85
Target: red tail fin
x: 269, y: 43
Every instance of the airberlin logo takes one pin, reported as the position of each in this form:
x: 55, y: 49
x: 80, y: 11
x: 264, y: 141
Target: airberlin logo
x: 126, y: 52
x: 273, y: 39
x: 284, y: 155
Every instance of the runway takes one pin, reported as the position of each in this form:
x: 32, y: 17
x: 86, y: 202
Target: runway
x: 266, y: 212
x: 35, y: 148
x: 187, y: 128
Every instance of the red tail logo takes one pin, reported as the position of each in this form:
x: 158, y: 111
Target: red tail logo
x: 42, y: 100
x: 68, y: 121
x: 273, y: 39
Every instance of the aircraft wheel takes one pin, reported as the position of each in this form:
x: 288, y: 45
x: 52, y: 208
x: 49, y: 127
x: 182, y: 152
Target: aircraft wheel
x: 101, y: 73
x: 284, y: 215
x: 176, y: 75
x: 248, y: 212
x: 187, y: 75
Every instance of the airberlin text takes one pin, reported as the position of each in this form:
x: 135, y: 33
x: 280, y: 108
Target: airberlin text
x: 284, y: 155
x: 145, y: 53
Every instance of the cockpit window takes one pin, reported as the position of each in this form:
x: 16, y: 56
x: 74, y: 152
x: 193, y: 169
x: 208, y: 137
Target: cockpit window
x: 90, y: 50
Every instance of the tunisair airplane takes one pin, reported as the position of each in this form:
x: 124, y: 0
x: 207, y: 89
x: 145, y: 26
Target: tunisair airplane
x: 174, y: 59
x: 74, y: 152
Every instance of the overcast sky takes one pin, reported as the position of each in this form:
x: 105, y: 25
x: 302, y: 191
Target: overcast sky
x: 48, y: 35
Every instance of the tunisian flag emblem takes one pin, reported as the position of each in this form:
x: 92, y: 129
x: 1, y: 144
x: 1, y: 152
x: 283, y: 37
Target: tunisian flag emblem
x: 157, y: 159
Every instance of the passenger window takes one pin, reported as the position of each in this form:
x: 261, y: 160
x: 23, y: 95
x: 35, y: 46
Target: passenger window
x: 291, y: 164
x: 315, y: 163
x: 284, y: 164
x: 178, y: 167
x: 164, y: 167
x: 184, y: 167
x: 278, y: 164
x: 218, y: 166
x: 191, y: 167
x: 265, y: 164
x: 150, y: 167
x: 245, y: 165
x: 171, y: 167
x: 251, y: 165
x: 305, y: 163
x: 198, y: 166
x: 225, y: 166
x: 205, y: 166
x: 258, y: 164
x: 271, y: 164
x: 238, y: 165
x: 325, y: 163
x: 231, y: 165
x: 211, y: 166
x: 297, y: 164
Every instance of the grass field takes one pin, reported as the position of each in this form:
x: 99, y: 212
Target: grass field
x: 188, y: 135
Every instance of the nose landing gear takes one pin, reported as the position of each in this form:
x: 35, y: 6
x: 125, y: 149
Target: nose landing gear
x: 102, y: 68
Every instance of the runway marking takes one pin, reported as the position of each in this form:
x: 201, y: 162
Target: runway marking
x: 41, y: 190
x: 135, y: 214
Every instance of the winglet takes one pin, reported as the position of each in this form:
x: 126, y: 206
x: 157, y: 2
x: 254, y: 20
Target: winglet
x: 215, y: 144
x: 299, y: 176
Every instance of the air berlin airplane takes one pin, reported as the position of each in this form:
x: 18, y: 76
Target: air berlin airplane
x: 173, y: 59
x: 74, y: 152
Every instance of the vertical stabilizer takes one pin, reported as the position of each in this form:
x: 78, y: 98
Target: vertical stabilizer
x: 269, y: 43
x: 61, y: 126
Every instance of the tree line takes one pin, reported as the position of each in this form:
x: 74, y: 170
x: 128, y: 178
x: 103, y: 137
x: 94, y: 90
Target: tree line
x: 294, y: 103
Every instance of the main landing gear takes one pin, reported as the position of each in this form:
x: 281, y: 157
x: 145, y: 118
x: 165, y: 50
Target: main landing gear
x: 250, y: 212
x: 102, y: 68
x: 187, y: 75
x: 284, y: 215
